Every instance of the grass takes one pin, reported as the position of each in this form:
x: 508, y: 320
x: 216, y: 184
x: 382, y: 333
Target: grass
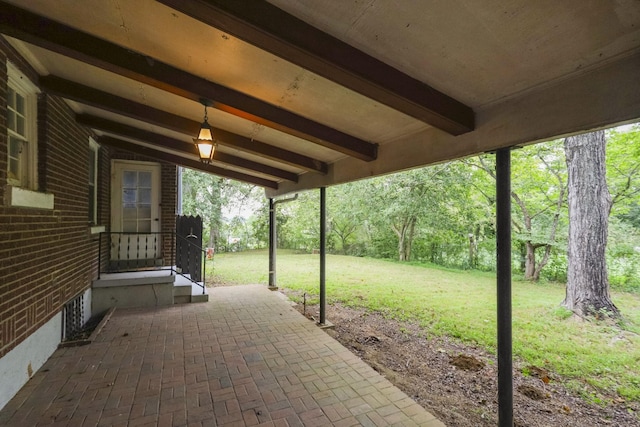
x: 596, y: 359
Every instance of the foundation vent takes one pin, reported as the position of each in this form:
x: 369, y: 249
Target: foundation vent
x: 73, y: 318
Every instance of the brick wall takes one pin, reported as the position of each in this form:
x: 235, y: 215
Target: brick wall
x: 44, y: 254
x: 168, y: 200
x: 104, y: 200
x: 47, y: 257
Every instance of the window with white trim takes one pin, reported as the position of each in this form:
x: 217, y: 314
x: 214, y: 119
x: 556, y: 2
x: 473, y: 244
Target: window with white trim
x: 93, y: 181
x: 22, y: 110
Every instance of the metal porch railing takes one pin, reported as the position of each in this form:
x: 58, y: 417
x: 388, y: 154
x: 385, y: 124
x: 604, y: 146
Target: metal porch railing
x: 121, y: 252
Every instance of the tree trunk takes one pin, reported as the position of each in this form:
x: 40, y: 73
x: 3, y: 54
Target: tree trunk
x: 405, y: 233
x: 529, y: 247
x: 473, y: 251
x: 211, y: 239
x: 401, y: 254
x: 529, y: 260
x: 542, y: 263
x: 589, y: 207
x: 400, y: 232
x: 523, y: 256
x: 344, y: 244
x: 408, y: 242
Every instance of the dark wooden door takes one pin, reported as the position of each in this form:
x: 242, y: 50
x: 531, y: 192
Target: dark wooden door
x: 189, y: 246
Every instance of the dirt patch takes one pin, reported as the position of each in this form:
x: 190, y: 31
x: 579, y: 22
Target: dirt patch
x: 532, y: 392
x: 457, y: 382
x: 466, y: 362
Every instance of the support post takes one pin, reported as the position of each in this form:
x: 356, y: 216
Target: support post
x: 323, y: 253
x: 503, y: 244
x: 272, y: 245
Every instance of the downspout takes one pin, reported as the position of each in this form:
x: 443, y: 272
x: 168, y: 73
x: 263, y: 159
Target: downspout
x: 272, y: 245
x: 273, y: 239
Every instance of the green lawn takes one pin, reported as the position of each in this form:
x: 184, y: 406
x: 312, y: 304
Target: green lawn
x: 595, y: 358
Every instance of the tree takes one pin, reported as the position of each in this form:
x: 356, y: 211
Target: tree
x: 401, y: 198
x: 421, y: 203
x: 346, y: 212
x: 587, y: 291
x: 304, y: 228
x: 550, y: 191
x: 260, y: 225
x: 201, y: 195
x: 213, y: 197
x: 538, y: 194
x: 623, y: 169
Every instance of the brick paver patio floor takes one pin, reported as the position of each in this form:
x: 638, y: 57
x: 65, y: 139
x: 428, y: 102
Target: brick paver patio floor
x: 246, y: 358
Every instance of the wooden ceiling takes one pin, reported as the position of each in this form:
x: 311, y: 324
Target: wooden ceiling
x: 308, y: 94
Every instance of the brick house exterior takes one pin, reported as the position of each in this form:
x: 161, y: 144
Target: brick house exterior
x: 49, y: 255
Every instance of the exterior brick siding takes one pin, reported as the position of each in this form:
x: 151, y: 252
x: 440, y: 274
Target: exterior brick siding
x: 43, y: 252
x: 47, y: 256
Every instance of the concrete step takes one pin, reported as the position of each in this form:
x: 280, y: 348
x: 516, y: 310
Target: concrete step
x: 185, y: 291
x: 181, y: 299
x: 150, y: 277
x: 182, y: 290
x: 153, y: 288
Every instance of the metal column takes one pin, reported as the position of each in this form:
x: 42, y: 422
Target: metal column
x: 323, y: 253
x: 503, y: 244
x: 272, y: 245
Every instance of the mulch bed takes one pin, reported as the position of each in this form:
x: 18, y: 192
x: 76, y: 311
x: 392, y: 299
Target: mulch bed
x: 458, y: 383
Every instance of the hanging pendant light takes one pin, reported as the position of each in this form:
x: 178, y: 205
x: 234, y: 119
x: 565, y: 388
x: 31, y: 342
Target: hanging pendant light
x: 205, y: 143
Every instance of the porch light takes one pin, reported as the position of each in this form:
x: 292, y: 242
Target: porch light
x: 204, y: 143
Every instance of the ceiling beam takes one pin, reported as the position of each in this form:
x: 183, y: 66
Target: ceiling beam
x: 183, y: 147
x: 272, y: 29
x: 57, y: 37
x: 183, y: 161
x: 125, y: 107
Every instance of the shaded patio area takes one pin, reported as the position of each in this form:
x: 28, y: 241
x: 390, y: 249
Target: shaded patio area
x: 245, y: 358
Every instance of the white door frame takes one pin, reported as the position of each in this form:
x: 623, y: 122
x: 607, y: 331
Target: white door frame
x: 142, y: 246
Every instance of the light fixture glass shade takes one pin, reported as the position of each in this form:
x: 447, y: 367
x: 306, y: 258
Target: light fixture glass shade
x: 204, y: 143
x: 205, y: 132
x: 205, y: 150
